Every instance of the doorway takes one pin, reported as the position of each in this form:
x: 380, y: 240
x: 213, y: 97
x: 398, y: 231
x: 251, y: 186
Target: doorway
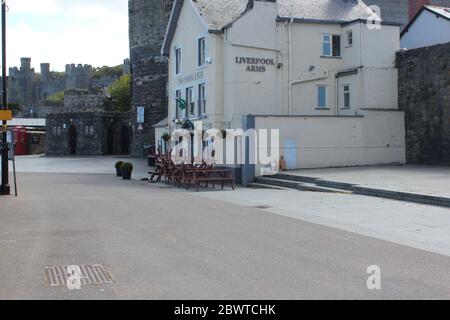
x: 110, y: 141
x: 125, y: 140
x: 72, y: 139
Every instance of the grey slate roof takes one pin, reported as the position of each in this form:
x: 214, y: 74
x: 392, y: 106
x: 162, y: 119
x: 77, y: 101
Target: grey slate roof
x: 219, y: 13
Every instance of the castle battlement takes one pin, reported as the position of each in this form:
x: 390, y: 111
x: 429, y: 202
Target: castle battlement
x: 73, y: 68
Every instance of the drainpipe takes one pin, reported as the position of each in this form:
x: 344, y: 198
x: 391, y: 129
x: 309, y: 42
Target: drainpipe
x: 291, y: 71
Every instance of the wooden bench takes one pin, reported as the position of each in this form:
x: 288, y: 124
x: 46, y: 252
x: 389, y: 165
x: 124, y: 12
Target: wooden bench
x: 207, y: 176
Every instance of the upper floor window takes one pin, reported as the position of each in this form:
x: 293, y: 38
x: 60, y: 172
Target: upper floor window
x: 201, y: 52
x: 322, y: 96
x: 177, y: 60
x: 349, y: 38
x: 331, y: 45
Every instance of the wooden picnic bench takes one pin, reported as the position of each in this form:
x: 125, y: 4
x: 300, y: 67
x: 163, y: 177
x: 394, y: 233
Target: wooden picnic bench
x: 207, y: 175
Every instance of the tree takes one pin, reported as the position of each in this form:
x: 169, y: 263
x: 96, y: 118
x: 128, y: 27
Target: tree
x: 120, y: 92
x: 57, y: 97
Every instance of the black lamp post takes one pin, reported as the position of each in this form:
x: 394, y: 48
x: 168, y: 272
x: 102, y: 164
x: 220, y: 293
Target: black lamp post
x: 5, y: 188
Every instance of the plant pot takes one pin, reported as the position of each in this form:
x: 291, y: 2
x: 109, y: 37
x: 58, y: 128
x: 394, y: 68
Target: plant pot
x: 119, y: 172
x: 126, y: 175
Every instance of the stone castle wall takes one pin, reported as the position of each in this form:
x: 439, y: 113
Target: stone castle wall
x: 424, y: 95
x: 148, y: 21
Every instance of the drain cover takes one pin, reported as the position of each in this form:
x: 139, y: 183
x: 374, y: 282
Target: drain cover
x: 89, y: 275
x: 263, y: 207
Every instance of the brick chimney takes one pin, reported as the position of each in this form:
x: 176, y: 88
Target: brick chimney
x: 415, y: 6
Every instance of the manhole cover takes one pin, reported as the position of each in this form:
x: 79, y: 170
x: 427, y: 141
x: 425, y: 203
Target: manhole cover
x: 89, y: 275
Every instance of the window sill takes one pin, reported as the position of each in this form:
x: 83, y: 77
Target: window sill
x: 322, y: 108
x: 331, y: 57
x: 346, y: 108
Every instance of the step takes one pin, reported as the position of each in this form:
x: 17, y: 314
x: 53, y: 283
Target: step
x: 256, y: 185
x: 304, y: 186
x: 373, y: 192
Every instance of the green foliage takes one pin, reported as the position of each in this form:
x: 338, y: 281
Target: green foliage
x: 126, y: 166
x: 120, y: 92
x: 108, y: 71
x: 57, y: 97
x: 119, y: 164
x: 57, y: 74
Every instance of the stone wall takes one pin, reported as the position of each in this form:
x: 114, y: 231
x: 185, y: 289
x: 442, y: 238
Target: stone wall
x: 78, y: 100
x: 87, y: 133
x: 148, y: 21
x: 424, y: 95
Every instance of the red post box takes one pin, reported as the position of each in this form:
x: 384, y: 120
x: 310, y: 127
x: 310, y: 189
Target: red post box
x: 20, y: 141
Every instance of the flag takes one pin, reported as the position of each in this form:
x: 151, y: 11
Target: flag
x: 182, y: 104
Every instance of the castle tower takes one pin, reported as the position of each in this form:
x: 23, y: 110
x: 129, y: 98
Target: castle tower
x: 25, y: 64
x: 45, y: 72
x: 78, y: 76
x: 147, y: 24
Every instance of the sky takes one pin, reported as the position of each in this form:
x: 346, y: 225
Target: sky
x: 61, y: 32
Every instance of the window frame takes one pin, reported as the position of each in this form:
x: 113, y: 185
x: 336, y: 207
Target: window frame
x: 331, y: 42
x: 189, y: 100
x: 346, y: 94
x: 178, y: 95
x: 201, y: 60
x: 325, y: 88
x: 349, y: 37
x: 202, y: 98
x: 178, y: 63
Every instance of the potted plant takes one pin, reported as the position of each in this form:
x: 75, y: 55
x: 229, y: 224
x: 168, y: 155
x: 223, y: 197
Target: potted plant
x: 119, y: 168
x: 127, y: 169
x: 166, y: 137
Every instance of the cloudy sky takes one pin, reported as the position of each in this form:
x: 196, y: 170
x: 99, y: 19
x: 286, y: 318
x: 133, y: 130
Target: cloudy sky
x: 67, y: 31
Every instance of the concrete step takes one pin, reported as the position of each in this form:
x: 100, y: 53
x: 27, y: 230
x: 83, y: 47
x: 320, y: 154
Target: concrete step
x: 357, y: 189
x: 290, y: 184
x: 256, y: 185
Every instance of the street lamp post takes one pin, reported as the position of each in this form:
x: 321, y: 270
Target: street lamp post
x: 5, y: 188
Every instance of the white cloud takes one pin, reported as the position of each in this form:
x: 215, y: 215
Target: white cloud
x: 68, y: 31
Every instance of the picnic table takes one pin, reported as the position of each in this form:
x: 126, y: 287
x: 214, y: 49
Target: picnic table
x: 189, y: 174
x: 207, y: 175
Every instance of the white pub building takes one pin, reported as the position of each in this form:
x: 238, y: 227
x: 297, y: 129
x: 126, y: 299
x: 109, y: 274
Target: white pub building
x: 321, y: 71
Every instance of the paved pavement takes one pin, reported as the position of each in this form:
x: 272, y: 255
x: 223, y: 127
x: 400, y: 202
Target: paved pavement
x: 419, y: 226
x: 163, y: 243
x: 428, y: 180
x: 80, y: 164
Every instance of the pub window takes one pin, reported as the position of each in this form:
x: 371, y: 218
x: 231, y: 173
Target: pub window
x: 331, y: 45
x: 201, y: 53
x: 189, y: 101
x: 177, y: 104
x: 201, y: 99
x: 177, y: 60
